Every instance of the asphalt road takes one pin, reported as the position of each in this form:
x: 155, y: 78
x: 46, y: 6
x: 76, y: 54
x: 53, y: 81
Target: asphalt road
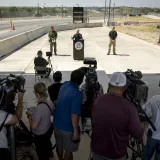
x: 26, y: 25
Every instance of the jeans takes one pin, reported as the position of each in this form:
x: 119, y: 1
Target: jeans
x: 152, y: 146
x: 97, y: 157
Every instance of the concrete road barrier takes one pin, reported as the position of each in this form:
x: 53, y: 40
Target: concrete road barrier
x: 12, y: 44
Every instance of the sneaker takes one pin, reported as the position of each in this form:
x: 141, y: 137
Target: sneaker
x: 114, y: 53
x: 108, y: 53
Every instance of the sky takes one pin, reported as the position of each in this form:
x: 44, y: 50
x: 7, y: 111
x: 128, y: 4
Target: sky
x: 52, y: 3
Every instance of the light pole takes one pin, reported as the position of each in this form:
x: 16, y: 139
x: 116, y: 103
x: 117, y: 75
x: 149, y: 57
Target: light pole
x: 105, y: 11
x: 109, y: 15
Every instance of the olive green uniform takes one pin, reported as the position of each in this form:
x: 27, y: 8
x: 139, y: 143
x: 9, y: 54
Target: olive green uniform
x: 52, y: 40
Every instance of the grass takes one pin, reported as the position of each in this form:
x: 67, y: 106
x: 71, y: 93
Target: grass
x: 136, y: 19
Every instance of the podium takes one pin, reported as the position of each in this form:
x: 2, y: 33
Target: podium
x: 78, y: 49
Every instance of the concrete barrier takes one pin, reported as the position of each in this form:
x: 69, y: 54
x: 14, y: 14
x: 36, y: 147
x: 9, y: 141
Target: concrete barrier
x: 12, y: 44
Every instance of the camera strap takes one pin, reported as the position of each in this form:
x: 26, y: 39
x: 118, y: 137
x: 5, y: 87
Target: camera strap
x: 2, y: 125
x: 46, y: 105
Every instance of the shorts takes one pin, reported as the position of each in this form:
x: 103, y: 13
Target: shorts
x: 63, y: 141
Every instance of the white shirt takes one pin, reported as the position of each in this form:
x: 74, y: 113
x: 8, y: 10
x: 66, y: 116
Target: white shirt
x: 152, y: 109
x: 3, y: 133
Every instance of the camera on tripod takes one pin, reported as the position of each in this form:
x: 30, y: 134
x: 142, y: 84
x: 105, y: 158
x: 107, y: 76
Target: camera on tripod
x: 91, y: 87
x: 137, y: 90
x: 49, y: 54
x: 9, y: 86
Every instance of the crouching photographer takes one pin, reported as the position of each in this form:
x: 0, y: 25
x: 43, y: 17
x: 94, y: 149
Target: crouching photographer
x: 10, y: 114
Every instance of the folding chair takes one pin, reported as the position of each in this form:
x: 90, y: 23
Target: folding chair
x: 40, y: 72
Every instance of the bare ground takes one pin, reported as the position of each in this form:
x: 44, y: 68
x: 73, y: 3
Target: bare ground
x: 147, y: 32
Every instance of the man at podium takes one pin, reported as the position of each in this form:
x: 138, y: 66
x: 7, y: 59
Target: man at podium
x: 77, y: 36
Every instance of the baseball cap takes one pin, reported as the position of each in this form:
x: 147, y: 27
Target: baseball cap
x: 118, y: 79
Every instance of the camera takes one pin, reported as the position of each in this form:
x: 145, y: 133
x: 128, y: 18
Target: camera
x: 91, y: 74
x: 137, y: 90
x: 90, y: 61
x: 49, y: 54
x: 9, y: 86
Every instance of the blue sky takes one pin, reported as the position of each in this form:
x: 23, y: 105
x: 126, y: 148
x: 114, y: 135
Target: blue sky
x: 136, y: 3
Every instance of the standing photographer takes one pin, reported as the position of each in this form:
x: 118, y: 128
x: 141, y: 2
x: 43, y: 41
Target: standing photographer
x: 8, y: 119
x: 52, y: 40
x: 41, y: 62
x: 40, y: 122
x: 152, y: 109
x: 113, y: 119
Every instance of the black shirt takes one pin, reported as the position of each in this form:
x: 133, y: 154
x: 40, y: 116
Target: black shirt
x: 53, y: 91
x: 77, y: 37
x: 40, y: 61
x: 113, y: 35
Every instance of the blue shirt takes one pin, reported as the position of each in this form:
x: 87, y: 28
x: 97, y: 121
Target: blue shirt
x: 69, y: 102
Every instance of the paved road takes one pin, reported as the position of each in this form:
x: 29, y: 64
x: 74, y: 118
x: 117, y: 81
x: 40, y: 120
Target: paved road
x: 26, y: 25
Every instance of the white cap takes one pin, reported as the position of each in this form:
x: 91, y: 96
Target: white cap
x: 118, y: 79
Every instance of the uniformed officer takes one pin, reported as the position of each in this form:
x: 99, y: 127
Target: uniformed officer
x: 52, y: 40
x: 113, y: 36
x: 77, y: 36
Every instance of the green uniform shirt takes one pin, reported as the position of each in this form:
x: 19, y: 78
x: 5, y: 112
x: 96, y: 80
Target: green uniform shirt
x: 52, y: 35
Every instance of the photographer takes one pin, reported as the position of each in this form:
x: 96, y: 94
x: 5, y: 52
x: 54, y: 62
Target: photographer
x: 9, y: 119
x: 41, y: 62
x: 99, y: 91
x: 152, y: 109
x: 40, y: 122
x: 113, y: 119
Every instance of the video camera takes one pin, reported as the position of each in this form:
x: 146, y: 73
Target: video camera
x: 49, y: 54
x: 91, y: 87
x: 91, y: 74
x: 9, y: 86
x: 137, y: 90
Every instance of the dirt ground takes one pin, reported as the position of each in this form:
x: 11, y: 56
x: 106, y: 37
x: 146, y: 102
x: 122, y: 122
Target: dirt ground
x: 147, y: 31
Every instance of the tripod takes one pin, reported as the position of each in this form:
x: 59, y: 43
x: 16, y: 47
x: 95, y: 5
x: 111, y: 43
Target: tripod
x: 50, y: 64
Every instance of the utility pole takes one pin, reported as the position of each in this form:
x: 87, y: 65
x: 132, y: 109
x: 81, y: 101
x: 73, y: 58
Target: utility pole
x: 62, y: 11
x: 109, y: 15
x: 105, y: 11
x: 38, y: 9
x: 113, y: 11
x: 44, y: 8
